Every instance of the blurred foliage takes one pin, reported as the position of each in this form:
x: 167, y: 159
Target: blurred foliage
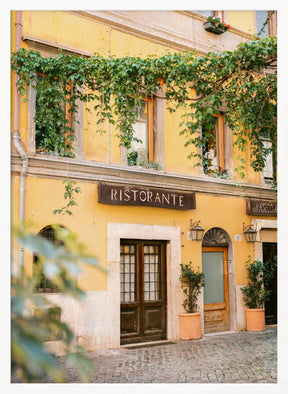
x: 34, y: 318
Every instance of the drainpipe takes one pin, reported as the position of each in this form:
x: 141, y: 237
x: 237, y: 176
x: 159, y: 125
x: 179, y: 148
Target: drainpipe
x: 17, y: 144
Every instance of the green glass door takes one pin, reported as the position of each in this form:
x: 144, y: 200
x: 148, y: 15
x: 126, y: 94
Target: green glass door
x: 216, y: 292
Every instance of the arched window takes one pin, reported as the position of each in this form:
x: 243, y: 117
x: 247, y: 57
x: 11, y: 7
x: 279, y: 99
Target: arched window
x: 43, y: 284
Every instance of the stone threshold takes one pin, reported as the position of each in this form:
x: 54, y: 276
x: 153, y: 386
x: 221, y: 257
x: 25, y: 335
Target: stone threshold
x: 146, y: 344
x: 212, y: 334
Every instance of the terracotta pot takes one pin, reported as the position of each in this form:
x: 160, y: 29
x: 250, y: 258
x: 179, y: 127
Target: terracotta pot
x: 190, y: 325
x: 255, y: 319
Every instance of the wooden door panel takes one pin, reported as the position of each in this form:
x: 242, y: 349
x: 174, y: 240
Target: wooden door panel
x: 143, y: 291
x: 129, y: 321
x: 154, y: 319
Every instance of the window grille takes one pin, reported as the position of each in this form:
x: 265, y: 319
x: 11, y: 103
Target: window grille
x: 44, y: 285
x: 128, y: 273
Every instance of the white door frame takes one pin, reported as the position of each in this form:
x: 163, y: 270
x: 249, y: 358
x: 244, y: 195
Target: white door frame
x: 171, y: 234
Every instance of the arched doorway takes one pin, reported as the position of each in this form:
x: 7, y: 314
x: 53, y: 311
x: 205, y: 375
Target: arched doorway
x: 216, y: 290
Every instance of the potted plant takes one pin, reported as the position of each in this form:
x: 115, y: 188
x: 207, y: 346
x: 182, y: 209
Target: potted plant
x: 214, y: 25
x: 255, y: 295
x: 190, y: 322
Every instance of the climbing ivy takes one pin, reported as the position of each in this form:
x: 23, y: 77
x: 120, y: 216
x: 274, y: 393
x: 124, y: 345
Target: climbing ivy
x: 241, y: 83
x: 70, y: 188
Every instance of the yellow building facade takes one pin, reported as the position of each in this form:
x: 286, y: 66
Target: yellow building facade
x: 137, y: 220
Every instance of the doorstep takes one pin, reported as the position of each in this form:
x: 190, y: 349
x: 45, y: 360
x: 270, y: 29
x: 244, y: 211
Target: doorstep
x: 146, y: 344
x: 212, y: 334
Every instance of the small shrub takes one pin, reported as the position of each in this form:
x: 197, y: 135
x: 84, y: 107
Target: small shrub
x: 254, y: 293
x: 192, y: 281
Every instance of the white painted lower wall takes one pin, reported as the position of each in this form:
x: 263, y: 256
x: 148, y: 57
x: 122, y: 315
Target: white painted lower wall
x: 240, y: 310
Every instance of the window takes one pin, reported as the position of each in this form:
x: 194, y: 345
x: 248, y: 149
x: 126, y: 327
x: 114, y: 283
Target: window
x: 48, y: 134
x: 269, y: 170
x: 270, y: 26
x: 218, y: 14
x: 261, y: 17
x: 43, y: 284
x: 213, y: 149
x: 142, y: 149
x: 206, y: 13
x: 52, y: 134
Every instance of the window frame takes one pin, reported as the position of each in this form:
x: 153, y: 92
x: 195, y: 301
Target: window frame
x: 271, y: 26
x: 150, y: 134
x: 68, y: 116
x: 216, y: 13
x: 46, y: 50
x: 266, y: 179
x: 220, y: 153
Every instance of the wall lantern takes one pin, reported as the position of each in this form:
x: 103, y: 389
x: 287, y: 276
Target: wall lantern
x: 196, y: 231
x: 249, y: 232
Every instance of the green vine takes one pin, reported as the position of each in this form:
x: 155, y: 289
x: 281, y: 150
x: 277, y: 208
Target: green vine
x: 242, y: 83
x: 70, y: 189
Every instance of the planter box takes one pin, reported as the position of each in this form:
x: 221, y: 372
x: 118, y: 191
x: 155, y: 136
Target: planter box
x: 209, y: 26
x: 255, y: 319
x: 190, y: 325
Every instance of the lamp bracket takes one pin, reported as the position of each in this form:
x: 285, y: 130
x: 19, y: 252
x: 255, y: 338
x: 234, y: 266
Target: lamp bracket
x: 247, y: 228
x: 192, y: 225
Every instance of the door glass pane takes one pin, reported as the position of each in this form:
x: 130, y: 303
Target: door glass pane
x: 151, y: 273
x: 127, y: 273
x: 212, y: 266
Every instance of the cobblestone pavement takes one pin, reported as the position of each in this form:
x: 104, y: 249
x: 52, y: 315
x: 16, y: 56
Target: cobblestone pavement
x: 241, y: 357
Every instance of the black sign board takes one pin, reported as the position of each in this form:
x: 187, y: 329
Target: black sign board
x: 144, y: 196
x: 261, y: 207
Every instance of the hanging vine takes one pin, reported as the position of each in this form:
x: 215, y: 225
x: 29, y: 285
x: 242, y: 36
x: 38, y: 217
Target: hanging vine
x: 243, y: 82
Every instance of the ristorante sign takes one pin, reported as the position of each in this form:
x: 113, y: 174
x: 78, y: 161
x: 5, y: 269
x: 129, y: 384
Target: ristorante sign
x: 142, y: 196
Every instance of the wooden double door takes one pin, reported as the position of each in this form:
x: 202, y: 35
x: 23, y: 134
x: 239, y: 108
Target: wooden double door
x: 216, y: 289
x: 142, y: 291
